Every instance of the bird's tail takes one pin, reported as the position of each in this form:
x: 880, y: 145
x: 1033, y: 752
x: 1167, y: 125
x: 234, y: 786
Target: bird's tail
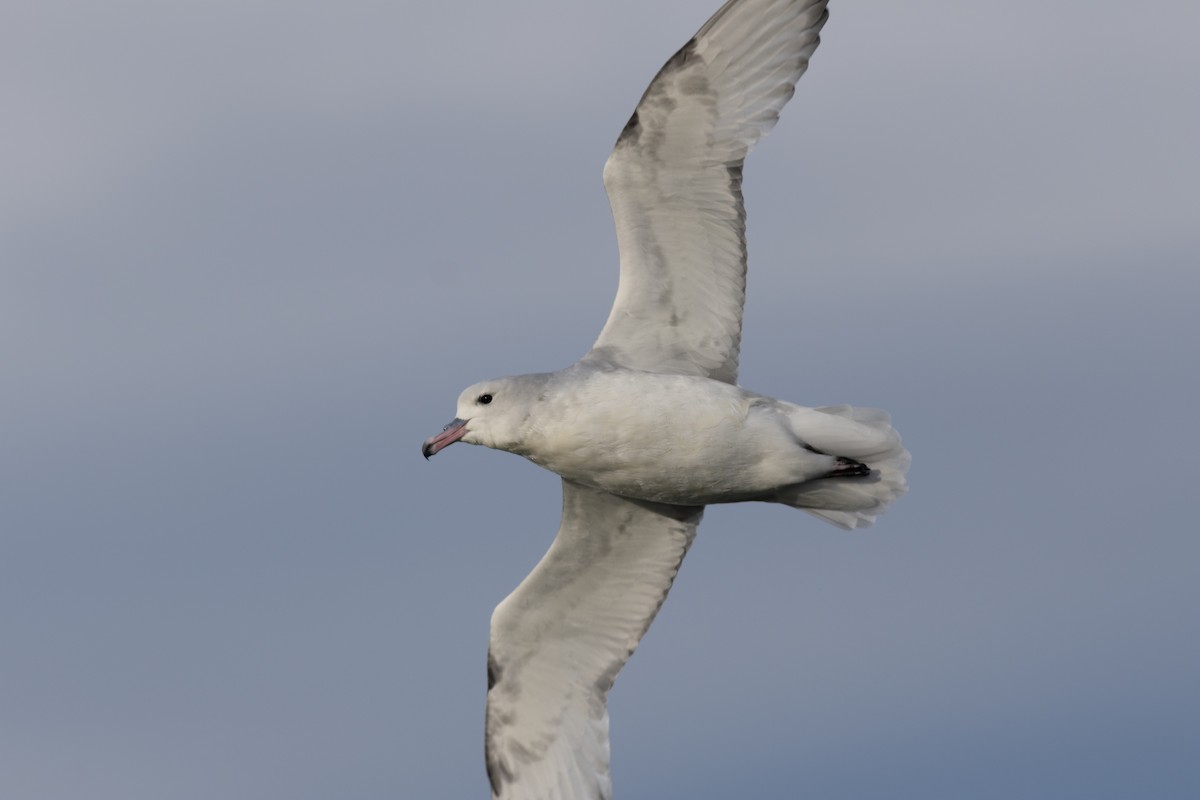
x: 864, y: 435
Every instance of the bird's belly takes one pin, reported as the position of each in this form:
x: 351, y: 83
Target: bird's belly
x: 726, y: 458
x: 678, y: 484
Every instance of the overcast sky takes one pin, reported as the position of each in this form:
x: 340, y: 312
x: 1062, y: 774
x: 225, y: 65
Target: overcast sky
x: 250, y: 252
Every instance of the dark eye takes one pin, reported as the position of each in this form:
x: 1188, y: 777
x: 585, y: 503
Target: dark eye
x: 484, y: 399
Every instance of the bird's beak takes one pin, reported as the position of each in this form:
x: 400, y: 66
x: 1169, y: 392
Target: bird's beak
x: 449, y: 435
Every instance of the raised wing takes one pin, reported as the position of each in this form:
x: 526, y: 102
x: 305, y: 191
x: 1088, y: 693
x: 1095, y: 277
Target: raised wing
x: 560, y: 638
x: 674, y: 181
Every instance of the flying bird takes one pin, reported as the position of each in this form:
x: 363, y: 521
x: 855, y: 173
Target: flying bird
x: 650, y: 425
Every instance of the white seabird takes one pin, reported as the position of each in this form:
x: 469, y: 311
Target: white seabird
x: 650, y: 426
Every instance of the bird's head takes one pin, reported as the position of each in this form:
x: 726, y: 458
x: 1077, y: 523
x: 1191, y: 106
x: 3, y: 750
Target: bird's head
x: 492, y: 413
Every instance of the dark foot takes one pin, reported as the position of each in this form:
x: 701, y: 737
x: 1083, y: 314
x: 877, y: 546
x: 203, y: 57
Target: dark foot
x: 849, y: 468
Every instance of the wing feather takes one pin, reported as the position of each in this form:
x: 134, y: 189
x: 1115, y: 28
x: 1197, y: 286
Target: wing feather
x: 559, y: 639
x: 674, y: 182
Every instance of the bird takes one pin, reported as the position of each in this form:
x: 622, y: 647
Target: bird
x: 650, y: 426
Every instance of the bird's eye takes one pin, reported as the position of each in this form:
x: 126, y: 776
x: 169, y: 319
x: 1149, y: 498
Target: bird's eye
x: 484, y: 399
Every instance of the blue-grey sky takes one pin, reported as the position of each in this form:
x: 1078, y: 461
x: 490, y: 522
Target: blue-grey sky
x: 251, y: 251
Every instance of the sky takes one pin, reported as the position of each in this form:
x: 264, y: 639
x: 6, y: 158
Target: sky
x: 250, y: 252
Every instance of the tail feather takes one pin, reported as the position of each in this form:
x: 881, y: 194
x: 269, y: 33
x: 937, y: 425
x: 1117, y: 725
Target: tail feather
x: 864, y: 434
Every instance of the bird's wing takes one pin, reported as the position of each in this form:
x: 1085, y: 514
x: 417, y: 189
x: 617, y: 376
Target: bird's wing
x: 674, y: 182
x: 559, y: 639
